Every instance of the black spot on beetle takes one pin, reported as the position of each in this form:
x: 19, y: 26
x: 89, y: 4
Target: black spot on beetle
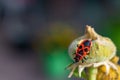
x: 80, y: 47
x: 86, y: 49
x: 81, y: 52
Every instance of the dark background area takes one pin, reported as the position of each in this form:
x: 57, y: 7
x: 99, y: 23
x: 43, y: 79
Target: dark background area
x: 35, y: 34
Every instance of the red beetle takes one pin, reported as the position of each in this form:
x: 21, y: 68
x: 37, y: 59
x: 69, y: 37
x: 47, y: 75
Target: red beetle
x: 82, y: 50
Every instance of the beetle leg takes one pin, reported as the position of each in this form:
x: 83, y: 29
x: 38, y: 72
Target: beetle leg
x: 77, y: 45
x: 82, y: 60
x: 85, y: 58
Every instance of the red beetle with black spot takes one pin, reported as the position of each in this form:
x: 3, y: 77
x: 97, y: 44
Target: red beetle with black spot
x: 82, y: 50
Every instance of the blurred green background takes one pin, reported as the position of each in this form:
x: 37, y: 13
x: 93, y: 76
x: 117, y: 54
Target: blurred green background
x: 35, y: 34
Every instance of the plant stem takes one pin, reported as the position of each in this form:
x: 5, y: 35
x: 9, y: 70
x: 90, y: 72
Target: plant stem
x: 92, y: 73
